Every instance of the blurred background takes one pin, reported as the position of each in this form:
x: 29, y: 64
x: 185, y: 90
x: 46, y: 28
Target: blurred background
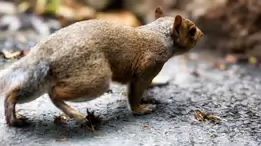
x: 220, y: 76
x: 232, y: 28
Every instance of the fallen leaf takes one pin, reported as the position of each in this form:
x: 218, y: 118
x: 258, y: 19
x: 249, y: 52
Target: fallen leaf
x: 52, y: 6
x: 220, y: 66
x: 212, y: 135
x: 23, y: 6
x: 99, y: 4
x: 61, y: 120
x: 201, y: 116
x: 195, y: 73
x: 11, y: 54
x: 81, y: 13
x: 236, y: 58
x: 99, y: 137
x: 146, y: 126
x: 93, y: 121
x: 62, y: 140
x: 124, y: 93
x: 217, y: 122
x: 252, y: 60
x: 231, y: 59
x: 124, y: 17
x: 40, y: 6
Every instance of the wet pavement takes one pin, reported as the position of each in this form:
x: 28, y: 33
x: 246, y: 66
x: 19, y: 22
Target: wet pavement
x: 232, y: 94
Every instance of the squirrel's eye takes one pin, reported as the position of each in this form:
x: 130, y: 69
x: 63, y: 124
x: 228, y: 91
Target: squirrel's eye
x: 192, y: 32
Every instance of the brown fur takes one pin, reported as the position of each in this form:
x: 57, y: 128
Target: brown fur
x: 78, y: 62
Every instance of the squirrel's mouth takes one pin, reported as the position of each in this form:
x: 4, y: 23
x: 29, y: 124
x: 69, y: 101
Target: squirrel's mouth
x: 180, y: 49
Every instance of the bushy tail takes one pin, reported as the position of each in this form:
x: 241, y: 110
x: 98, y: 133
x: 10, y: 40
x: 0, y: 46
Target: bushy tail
x: 29, y: 77
x: 3, y: 80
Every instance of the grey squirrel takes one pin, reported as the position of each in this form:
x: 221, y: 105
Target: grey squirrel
x: 78, y: 62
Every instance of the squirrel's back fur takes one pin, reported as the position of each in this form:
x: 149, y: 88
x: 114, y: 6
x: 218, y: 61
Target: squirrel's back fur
x: 94, y: 40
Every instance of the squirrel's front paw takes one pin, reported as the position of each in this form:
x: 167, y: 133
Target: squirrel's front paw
x: 143, y: 109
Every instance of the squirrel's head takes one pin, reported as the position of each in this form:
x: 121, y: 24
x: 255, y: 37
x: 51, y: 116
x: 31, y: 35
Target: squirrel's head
x: 184, y: 33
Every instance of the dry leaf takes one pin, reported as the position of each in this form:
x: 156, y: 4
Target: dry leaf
x: 78, y: 14
x: 61, y: 120
x: 212, y: 135
x: 62, y: 140
x: 125, y: 17
x: 146, y: 126
x: 195, y: 73
x: 201, y: 116
x: 93, y: 121
x: 52, y: 6
x: 99, y: 137
x: 99, y: 4
x: 11, y: 54
x: 40, y: 6
x: 220, y: 66
x: 124, y: 93
x: 231, y: 59
x: 23, y: 6
x: 252, y: 60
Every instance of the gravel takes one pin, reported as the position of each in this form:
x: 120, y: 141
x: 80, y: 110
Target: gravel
x: 231, y: 94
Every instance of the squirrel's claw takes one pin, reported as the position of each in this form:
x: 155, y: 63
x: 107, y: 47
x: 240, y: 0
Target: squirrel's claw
x: 143, y: 109
x: 20, y: 121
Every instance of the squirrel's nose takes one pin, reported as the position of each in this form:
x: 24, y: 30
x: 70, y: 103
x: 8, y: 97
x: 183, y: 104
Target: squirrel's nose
x: 200, y: 33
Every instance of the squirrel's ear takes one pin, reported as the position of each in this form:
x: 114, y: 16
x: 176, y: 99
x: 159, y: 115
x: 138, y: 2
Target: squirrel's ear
x: 158, y: 13
x: 177, y: 23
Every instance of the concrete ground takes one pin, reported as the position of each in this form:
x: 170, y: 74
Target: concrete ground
x: 233, y: 95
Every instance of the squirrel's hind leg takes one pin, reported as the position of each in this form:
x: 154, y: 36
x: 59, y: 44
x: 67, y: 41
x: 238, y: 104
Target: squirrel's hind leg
x: 66, y: 109
x: 10, y: 112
